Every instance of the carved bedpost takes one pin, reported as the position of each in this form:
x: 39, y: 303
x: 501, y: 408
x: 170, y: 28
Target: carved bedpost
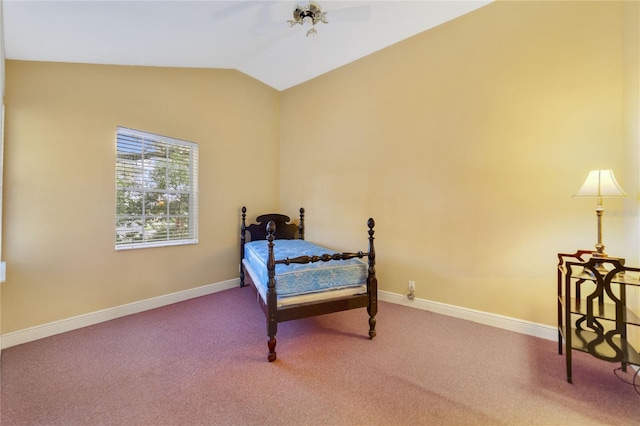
x: 301, y: 225
x: 243, y: 229
x: 272, y: 323
x: 372, y: 282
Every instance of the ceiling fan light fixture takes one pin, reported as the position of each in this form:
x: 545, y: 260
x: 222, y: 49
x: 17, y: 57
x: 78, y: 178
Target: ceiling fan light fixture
x: 311, y: 14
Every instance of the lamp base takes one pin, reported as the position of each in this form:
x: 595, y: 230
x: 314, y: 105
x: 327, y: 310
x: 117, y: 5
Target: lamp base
x: 600, y: 254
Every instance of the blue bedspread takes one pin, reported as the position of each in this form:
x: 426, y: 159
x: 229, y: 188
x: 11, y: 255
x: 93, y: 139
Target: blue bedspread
x: 296, y: 279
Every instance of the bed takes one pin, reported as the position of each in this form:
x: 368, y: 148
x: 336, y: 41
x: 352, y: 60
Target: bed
x: 295, y: 279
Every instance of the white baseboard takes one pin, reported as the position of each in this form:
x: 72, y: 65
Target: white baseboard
x: 499, y: 321
x: 46, y: 330
x: 38, y: 332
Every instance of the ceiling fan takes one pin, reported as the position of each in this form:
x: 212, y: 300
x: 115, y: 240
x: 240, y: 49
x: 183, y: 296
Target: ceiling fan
x: 310, y: 13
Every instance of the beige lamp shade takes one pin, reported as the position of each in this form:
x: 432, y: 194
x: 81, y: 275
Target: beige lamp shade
x: 600, y: 183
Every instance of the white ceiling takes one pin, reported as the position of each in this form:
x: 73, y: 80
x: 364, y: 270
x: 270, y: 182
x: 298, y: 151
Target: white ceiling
x: 250, y: 36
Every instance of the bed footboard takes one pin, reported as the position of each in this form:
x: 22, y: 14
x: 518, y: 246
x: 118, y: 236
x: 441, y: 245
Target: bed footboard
x: 271, y: 302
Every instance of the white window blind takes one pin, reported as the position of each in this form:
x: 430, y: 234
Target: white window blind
x: 156, y: 190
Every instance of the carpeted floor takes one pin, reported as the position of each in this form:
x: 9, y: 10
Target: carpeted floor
x: 204, y: 362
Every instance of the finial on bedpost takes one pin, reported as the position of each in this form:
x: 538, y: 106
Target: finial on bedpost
x: 243, y: 226
x: 372, y: 252
x: 243, y: 229
x: 301, y: 225
x: 271, y: 230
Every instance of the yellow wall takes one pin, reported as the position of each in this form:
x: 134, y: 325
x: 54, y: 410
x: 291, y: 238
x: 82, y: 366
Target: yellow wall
x: 1, y: 144
x: 465, y: 143
x: 631, y: 99
x: 60, y: 181
x: 632, y: 138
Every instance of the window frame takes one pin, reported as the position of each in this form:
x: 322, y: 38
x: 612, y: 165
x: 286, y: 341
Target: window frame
x: 144, y: 189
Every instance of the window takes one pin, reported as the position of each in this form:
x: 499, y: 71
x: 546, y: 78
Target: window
x: 156, y: 190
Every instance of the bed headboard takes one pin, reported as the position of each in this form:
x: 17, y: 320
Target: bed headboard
x: 284, y: 229
x: 258, y: 231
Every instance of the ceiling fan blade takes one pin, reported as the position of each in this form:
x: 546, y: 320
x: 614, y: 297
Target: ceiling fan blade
x: 263, y: 29
x: 349, y: 14
x: 246, y: 8
x: 227, y: 9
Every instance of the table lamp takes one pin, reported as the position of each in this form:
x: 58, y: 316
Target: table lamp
x: 600, y: 184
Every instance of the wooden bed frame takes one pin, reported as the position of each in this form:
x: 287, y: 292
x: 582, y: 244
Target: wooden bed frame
x: 276, y: 226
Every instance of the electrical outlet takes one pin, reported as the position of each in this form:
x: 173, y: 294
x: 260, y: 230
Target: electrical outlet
x: 412, y: 289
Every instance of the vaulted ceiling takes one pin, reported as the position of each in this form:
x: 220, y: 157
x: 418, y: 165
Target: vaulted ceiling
x: 253, y: 37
